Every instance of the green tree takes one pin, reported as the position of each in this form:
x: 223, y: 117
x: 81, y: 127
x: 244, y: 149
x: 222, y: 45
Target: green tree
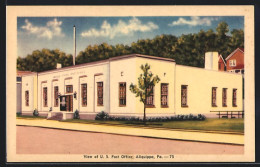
x: 145, y: 81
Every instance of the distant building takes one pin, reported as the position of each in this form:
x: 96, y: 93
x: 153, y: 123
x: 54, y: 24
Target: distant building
x: 221, y: 63
x: 235, y: 61
x: 104, y: 86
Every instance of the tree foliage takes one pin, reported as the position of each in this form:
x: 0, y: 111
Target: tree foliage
x: 43, y: 60
x: 187, y: 49
x: 145, y: 80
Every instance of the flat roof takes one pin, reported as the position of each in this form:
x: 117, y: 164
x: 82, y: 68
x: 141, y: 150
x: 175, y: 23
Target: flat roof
x: 111, y: 59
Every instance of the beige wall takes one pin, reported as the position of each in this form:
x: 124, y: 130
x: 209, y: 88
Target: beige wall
x: 165, y: 70
x: 200, y: 83
x: 28, y: 85
x: 122, y: 71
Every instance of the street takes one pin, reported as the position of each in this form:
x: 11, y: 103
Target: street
x: 36, y: 140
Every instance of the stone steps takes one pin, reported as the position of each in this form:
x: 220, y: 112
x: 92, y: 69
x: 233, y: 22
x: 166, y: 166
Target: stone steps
x: 57, y: 116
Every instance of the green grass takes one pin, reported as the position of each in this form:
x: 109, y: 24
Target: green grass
x: 210, y: 124
x: 29, y: 117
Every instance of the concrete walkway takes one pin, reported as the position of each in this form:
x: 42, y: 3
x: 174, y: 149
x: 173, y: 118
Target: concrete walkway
x: 201, y: 136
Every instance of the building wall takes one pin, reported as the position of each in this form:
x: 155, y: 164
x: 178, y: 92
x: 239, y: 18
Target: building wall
x: 122, y: 71
x: 199, y: 81
x: 239, y: 57
x: 166, y: 71
x: 221, y: 64
x: 76, y: 76
x: 199, y: 94
x: 18, y: 97
x: 28, y: 85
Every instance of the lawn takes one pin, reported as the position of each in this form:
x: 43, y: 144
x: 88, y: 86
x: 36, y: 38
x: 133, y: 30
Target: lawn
x: 211, y: 124
x: 30, y: 117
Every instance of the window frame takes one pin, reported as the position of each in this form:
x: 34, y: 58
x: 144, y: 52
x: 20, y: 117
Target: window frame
x: 151, y: 96
x: 45, y: 97
x: 124, y: 94
x: 27, y: 102
x: 214, y: 103
x: 56, y: 96
x: 82, y: 94
x: 224, y: 97
x: 233, y: 63
x: 184, y: 87
x: 69, y: 86
x: 100, y: 97
x: 234, y: 98
x: 164, y: 95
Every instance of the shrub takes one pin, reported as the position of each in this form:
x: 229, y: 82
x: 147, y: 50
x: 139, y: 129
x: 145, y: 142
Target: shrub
x: 76, y: 115
x: 19, y: 113
x: 201, y: 117
x: 102, y: 116
x: 35, y: 113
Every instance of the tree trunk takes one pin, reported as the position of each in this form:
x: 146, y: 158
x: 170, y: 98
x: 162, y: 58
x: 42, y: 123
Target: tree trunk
x: 144, y: 119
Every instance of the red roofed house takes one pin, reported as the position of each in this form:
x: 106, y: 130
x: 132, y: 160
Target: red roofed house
x: 221, y: 63
x: 235, y: 61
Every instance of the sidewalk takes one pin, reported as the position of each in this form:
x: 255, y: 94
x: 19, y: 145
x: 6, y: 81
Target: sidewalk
x: 136, y: 131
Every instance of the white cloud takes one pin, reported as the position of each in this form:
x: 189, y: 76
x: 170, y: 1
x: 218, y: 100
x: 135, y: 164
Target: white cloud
x: 121, y: 28
x: 194, y: 21
x: 52, y: 28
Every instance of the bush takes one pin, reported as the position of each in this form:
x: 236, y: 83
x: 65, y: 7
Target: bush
x: 35, y: 113
x: 102, y: 116
x: 76, y: 115
x: 19, y: 113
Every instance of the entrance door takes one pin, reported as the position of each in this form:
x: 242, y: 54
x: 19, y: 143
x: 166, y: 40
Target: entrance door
x: 69, y: 103
x: 63, y: 106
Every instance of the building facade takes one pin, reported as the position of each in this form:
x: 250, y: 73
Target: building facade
x: 235, y: 61
x: 104, y: 86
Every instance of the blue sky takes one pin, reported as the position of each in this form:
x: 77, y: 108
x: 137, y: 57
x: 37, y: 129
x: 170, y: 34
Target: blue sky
x: 57, y: 32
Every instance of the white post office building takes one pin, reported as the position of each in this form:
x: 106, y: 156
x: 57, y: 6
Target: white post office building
x: 104, y: 86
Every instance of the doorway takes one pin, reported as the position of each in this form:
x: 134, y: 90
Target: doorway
x: 66, y: 103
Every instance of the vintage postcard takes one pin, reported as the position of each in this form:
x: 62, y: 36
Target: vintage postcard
x: 130, y: 84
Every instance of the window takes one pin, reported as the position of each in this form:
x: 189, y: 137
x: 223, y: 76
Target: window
x: 184, y: 91
x: 164, y: 95
x: 232, y: 63
x: 56, y: 96
x: 122, y: 94
x: 149, y: 100
x: 45, y: 98
x: 224, y: 97
x: 214, y: 97
x: 100, y: 93
x: 84, y: 94
x: 69, y: 89
x: 234, y: 100
x: 27, y: 98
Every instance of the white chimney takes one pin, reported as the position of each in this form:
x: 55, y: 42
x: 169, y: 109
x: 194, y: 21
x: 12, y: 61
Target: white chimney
x: 74, y: 37
x: 211, y: 61
x: 58, y: 65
